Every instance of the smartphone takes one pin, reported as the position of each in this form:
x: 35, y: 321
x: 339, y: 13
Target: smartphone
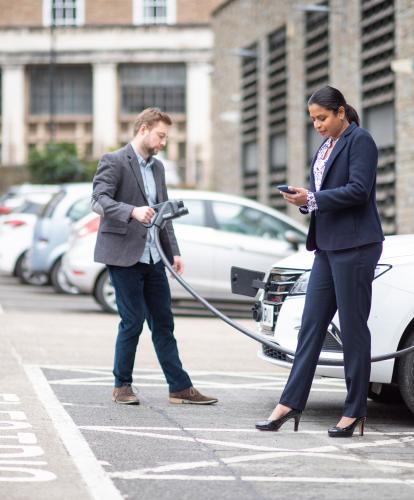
x: 285, y: 189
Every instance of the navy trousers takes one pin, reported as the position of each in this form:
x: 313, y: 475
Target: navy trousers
x: 142, y: 292
x: 340, y: 280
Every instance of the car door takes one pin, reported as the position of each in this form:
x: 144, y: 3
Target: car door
x: 195, y: 243
x: 245, y: 237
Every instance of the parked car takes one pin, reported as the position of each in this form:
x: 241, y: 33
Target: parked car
x: 220, y: 231
x: 52, y: 229
x: 279, y: 312
x: 16, y: 196
x: 16, y: 236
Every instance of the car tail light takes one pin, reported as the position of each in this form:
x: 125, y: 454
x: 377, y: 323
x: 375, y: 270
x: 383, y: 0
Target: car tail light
x: 15, y: 222
x: 5, y: 210
x: 91, y: 226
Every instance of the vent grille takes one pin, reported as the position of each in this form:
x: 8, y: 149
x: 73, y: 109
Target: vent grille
x: 249, y: 119
x: 316, y: 50
x: 378, y: 92
x: 278, y: 287
x: 277, y: 78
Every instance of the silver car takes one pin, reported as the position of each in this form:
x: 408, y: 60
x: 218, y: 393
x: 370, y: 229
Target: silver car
x: 52, y: 231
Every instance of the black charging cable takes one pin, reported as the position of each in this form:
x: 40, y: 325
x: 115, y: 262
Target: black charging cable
x: 173, y: 209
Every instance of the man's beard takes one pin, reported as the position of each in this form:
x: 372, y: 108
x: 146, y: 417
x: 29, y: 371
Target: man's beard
x: 152, y: 151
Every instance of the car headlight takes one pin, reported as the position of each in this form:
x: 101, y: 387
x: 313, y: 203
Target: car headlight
x: 301, y: 285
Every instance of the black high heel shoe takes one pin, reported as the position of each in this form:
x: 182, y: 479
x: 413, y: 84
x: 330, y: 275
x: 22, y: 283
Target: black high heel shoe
x: 344, y: 432
x: 275, y: 425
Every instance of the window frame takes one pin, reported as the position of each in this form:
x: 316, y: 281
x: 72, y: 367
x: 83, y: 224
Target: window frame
x: 80, y: 14
x: 138, y: 17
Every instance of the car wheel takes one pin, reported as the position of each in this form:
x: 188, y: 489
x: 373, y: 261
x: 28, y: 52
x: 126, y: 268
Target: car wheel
x: 406, y: 374
x: 388, y: 393
x: 105, y: 294
x: 59, y: 280
x: 26, y: 276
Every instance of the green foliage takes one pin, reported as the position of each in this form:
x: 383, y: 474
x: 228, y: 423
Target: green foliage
x: 57, y: 163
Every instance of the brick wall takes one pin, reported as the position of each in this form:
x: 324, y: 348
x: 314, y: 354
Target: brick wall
x: 21, y: 13
x: 108, y: 12
x: 195, y: 11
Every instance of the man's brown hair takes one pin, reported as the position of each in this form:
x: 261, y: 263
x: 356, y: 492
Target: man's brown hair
x: 150, y: 117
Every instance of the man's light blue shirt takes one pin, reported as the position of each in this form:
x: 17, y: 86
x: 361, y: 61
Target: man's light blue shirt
x: 151, y: 194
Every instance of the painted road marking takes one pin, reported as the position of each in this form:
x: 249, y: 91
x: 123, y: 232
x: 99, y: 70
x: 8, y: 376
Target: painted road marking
x: 183, y: 471
x: 271, y: 479
x: 97, y: 481
x: 155, y: 378
x: 323, y: 452
x: 19, y: 446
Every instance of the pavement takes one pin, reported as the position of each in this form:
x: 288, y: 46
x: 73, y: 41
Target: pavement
x: 61, y: 437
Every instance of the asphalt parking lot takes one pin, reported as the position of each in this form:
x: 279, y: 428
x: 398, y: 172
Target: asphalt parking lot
x: 73, y: 442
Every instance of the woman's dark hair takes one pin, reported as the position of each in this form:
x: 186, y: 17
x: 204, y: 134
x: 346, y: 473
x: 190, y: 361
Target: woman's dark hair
x: 332, y: 99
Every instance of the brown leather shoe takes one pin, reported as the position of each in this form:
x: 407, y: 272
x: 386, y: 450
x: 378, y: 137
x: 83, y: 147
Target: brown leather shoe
x: 191, y: 396
x: 124, y: 395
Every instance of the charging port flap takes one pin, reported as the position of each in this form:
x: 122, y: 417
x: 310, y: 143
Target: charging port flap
x: 246, y: 282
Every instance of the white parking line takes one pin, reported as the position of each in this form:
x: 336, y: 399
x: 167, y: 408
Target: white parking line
x: 273, y: 479
x: 97, y: 481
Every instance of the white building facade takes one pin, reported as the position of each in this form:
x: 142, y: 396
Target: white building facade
x: 82, y: 70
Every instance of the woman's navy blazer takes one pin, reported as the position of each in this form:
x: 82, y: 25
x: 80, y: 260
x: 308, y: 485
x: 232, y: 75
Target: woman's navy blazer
x: 347, y: 215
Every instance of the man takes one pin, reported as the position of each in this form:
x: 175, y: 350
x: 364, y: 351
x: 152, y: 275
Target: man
x: 127, y: 183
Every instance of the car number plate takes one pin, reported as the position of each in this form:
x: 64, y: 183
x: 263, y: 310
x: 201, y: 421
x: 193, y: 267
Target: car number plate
x: 267, y: 315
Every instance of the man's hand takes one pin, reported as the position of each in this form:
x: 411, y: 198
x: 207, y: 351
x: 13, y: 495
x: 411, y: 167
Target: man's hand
x: 178, y: 265
x: 299, y: 198
x: 143, y: 214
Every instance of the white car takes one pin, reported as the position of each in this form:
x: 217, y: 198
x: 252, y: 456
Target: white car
x: 391, y: 322
x: 16, y: 236
x: 219, y: 232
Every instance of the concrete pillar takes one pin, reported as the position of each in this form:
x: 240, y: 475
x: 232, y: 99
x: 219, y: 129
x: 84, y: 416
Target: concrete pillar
x: 297, y: 165
x: 263, y: 126
x: 198, y: 149
x: 404, y: 117
x: 345, y: 43
x: 105, y: 117
x: 14, y: 150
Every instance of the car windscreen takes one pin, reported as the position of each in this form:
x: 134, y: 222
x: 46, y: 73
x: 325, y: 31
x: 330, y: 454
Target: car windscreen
x: 240, y: 219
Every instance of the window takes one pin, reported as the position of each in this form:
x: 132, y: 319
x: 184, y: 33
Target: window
x: 63, y: 12
x: 249, y: 221
x: 79, y: 209
x: 196, y: 213
x: 154, y: 11
x: 278, y: 151
x: 250, y: 158
x: 313, y: 142
x: 148, y: 85
x: 70, y: 90
x: 380, y: 120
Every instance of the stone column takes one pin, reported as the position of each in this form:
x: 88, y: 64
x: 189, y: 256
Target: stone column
x: 344, y: 43
x: 404, y: 117
x: 198, y: 148
x: 297, y: 167
x: 263, y: 124
x: 105, y: 116
x: 14, y: 148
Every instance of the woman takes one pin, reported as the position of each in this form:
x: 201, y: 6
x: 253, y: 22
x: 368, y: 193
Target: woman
x: 345, y: 232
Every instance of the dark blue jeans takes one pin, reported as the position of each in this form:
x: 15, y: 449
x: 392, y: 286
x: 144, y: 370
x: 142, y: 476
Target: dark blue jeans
x: 142, y: 292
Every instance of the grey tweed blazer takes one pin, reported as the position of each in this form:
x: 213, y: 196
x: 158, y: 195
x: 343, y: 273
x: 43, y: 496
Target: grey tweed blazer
x: 118, y: 187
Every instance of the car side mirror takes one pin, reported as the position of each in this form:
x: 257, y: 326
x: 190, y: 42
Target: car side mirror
x: 293, y: 238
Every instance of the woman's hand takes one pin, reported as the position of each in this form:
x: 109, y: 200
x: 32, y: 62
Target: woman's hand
x: 299, y: 198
